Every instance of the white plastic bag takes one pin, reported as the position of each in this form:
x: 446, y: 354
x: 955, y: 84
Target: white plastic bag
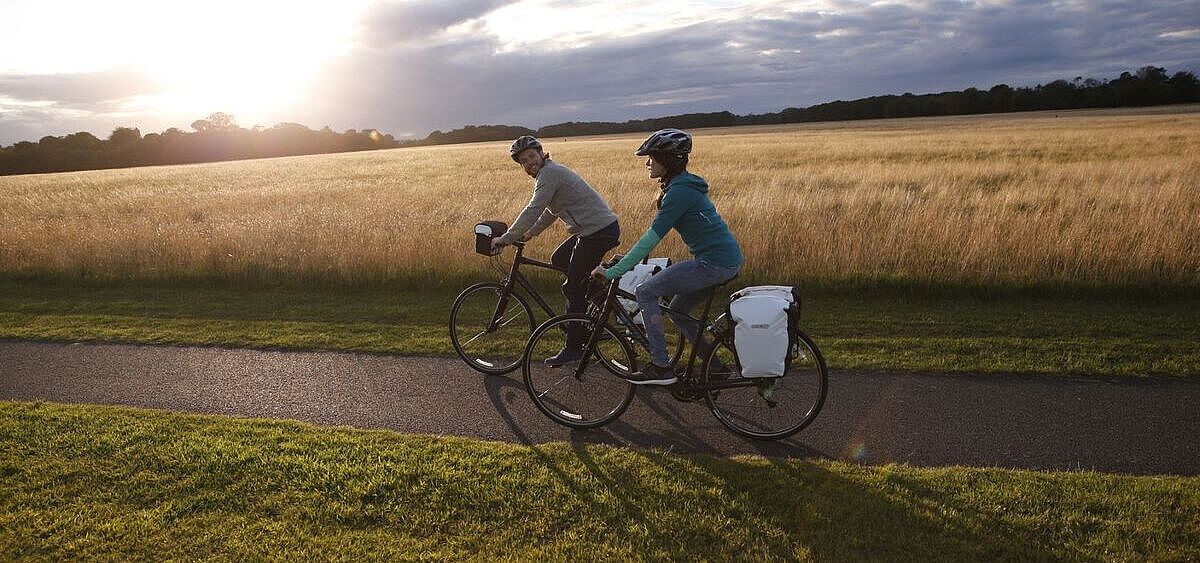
x: 636, y: 276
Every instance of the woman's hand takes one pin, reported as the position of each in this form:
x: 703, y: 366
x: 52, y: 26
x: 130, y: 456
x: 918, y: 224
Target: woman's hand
x: 598, y: 272
x: 497, y: 245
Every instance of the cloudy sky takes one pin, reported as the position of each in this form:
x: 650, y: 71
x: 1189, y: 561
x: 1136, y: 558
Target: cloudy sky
x: 408, y: 67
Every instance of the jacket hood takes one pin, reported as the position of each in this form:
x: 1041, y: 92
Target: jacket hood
x: 690, y: 180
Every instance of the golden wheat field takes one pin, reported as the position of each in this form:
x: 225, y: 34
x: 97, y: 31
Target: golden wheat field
x: 1108, y: 199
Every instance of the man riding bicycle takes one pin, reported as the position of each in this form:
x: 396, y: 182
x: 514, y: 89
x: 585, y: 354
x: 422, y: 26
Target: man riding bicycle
x: 560, y: 193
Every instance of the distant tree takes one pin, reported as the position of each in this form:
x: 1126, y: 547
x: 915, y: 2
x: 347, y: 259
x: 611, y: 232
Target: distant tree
x: 1152, y: 74
x: 222, y: 121
x: 218, y: 137
x: 125, y: 136
x: 1185, y: 87
x: 219, y: 121
x: 81, y: 141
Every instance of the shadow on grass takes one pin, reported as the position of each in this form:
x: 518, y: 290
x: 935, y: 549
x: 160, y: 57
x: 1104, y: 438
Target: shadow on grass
x: 782, y: 508
x: 791, y: 509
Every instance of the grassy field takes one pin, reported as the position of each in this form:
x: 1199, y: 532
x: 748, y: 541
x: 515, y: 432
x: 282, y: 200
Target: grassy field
x: 1088, y: 200
x: 999, y: 244
x: 81, y: 482
x: 1054, y: 335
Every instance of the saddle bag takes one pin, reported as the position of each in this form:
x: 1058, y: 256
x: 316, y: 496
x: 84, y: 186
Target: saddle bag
x: 765, y: 321
x: 485, y: 232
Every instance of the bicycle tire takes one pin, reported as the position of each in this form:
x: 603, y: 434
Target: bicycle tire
x: 576, y: 398
x: 770, y: 408
x: 500, y: 351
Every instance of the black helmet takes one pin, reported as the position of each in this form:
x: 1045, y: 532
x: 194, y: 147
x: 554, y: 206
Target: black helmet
x: 669, y: 141
x: 523, y: 142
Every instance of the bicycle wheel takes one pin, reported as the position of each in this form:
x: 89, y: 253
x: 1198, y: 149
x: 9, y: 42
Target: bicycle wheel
x: 767, y: 408
x: 497, y: 351
x: 569, y: 395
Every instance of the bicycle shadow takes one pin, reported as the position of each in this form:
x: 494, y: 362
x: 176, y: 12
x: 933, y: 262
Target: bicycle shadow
x: 502, y: 391
x: 676, y: 429
x: 836, y: 514
x: 662, y: 423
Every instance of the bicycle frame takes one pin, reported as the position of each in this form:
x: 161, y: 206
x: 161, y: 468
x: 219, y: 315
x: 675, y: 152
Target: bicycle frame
x: 514, y: 278
x: 687, y: 381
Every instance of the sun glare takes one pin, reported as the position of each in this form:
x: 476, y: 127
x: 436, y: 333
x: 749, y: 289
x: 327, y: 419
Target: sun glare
x: 257, y: 61
x: 253, y: 59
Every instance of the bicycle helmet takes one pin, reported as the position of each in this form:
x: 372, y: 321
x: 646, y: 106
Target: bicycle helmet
x: 669, y: 141
x: 523, y: 142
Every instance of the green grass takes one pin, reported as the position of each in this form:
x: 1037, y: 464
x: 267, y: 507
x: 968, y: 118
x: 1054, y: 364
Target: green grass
x: 869, y: 330
x: 85, y: 482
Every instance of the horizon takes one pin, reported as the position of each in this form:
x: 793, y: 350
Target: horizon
x: 409, y: 68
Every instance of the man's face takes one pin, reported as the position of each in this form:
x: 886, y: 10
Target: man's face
x: 531, y: 160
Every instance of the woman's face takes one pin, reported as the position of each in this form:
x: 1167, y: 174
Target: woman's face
x: 656, y: 170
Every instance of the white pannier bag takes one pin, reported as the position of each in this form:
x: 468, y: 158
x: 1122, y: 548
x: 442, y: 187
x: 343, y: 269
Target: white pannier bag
x: 761, y: 331
x: 637, y: 276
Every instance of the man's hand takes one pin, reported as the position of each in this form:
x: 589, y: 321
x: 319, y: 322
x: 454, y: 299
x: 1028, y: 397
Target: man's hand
x: 598, y: 272
x: 497, y: 245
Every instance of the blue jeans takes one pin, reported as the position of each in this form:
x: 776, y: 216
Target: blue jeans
x: 688, y: 281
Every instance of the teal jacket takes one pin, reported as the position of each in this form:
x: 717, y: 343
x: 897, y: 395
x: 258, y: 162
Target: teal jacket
x: 687, y: 209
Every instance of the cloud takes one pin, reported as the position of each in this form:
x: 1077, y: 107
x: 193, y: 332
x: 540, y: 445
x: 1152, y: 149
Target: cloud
x: 767, y: 62
x: 390, y: 23
x: 78, y: 89
x: 430, y: 65
x: 33, y: 106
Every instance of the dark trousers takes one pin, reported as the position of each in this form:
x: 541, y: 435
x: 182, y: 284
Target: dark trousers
x: 580, y: 255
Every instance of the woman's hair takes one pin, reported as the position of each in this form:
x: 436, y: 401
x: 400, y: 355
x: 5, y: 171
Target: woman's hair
x: 675, y: 164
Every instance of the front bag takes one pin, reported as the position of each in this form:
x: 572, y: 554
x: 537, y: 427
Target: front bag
x: 485, y: 232
x: 639, y: 274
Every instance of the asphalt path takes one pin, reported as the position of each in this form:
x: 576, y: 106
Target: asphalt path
x: 1123, y: 425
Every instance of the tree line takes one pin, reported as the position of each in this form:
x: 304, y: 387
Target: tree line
x: 215, y: 138
x: 218, y: 137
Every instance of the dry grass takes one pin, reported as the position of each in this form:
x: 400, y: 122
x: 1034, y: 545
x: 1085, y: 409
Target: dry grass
x: 1092, y: 199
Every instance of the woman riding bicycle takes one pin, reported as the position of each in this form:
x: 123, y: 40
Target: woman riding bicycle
x: 559, y: 193
x: 683, y: 205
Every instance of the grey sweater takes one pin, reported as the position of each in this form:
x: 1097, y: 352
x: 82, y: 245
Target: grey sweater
x: 559, y: 193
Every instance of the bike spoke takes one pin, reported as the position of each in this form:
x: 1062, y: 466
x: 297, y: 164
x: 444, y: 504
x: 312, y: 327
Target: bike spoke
x: 515, y: 316
x: 555, y: 384
x: 474, y: 338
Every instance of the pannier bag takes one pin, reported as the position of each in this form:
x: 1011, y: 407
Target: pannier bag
x: 765, y: 322
x: 637, y: 276
x: 485, y: 232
